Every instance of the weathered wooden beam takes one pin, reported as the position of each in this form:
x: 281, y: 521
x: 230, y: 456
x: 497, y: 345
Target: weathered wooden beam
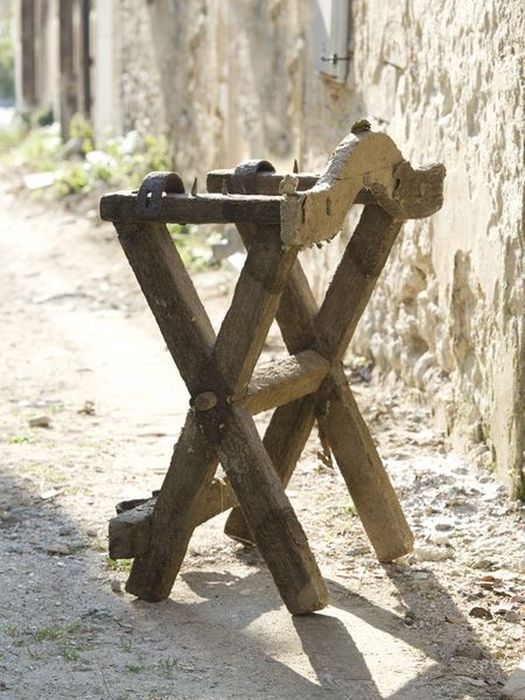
x: 252, y: 311
x: 284, y: 441
x: 263, y: 182
x: 354, y: 281
x: 191, y: 470
x: 368, y: 160
x: 282, y: 380
x: 366, y: 478
x: 189, y: 209
x: 172, y: 297
x: 274, y: 383
x: 269, y: 515
x: 130, y: 532
x: 268, y: 512
x: 268, y: 183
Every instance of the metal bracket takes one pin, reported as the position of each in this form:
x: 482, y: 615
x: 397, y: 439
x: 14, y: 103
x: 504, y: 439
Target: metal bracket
x: 154, y: 185
x: 334, y: 59
x: 242, y: 181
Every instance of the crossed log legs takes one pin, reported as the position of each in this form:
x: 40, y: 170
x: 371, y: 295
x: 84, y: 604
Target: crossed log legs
x: 230, y: 429
x: 357, y: 458
x: 226, y: 431
x: 330, y: 330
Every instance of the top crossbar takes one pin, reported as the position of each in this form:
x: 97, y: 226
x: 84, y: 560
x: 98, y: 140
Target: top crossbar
x: 366, y: 168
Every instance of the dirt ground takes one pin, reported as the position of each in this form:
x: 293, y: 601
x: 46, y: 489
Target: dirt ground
x: 80, y: 348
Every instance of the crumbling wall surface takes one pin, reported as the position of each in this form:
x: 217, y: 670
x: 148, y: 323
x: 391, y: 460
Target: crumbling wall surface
x: 223, y: 80
x: 449, y: 314
x: 141, y: 105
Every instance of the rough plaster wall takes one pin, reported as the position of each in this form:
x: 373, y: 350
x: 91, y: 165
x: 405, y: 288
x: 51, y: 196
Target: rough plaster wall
x: 141, y: 104
x: 237, y: 79
x: 449, y: 314
x: 228, y: 75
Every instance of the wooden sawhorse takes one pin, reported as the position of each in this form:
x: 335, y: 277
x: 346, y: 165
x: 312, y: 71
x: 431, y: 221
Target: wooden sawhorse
x: 276, y: 215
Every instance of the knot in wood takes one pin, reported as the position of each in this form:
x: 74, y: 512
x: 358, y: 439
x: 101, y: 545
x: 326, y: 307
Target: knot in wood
x: 205, y: 401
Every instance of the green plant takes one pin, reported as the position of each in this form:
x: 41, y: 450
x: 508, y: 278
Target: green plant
x: 10, y: 138
x: 34, y: 149
x: 35, y: 655
x: 194, y: 254
x: 47, y: 633
x: 69, y: 653
x: 19, y: 440
x: 156, y: 155
x: 134, y: 668
x: 167, y: 666
x: 13, y: 632
x: 72, y: 181
x: 41, y: 117
x: 120, y: 565
x: 81, y: 129
x: 70, y: 640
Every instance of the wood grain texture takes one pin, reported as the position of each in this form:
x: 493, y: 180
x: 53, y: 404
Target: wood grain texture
x: 367, y: 481
x: 365, y: 160
x: 284, y: 441
x: 253, y: 308
x: 275, y: 527
x: 417, y: 194
x: 283, y: 380
x: 120, y: 207
x: 268, y: 183
x: 359, y: 161
x: 354, y: 281
x: 274, y: 383
x: 192, y: 467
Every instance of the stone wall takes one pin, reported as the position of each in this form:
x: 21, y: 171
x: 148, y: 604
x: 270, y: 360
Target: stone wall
x: 449, y: 316
x: 234, y: 79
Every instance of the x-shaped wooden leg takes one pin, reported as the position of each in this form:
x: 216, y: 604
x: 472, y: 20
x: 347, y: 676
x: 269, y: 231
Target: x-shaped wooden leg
x: 367, y: 168
x: 218, y: 370
x: 328, y: 330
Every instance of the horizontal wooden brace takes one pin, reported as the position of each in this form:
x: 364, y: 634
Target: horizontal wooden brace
x: 194, y: 209
x: 282, y: 380
x: 274, y: 383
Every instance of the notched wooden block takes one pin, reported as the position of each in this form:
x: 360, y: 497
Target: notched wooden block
x: 130, y: 531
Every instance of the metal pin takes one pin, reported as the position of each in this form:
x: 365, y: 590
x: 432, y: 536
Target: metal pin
x: 224, y: 187
x: 295, y: 166
x: 194, y: 188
